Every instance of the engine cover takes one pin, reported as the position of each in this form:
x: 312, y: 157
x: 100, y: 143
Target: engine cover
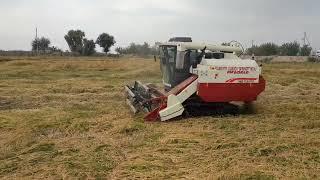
x: 228, y: 71
x: 229, y: 92
x: 229, y: 80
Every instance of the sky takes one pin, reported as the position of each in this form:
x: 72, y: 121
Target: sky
x: 212, y: 21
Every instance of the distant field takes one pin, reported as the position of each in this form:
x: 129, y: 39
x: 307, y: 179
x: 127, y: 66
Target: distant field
x: 68, y: 119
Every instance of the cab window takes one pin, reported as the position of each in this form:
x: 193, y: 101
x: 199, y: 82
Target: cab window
x: 168, y: 54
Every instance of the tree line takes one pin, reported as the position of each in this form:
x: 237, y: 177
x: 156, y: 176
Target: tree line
x: 137, y: 49
x: 77, y: 42
x: 80, y: 45
x: 286, y: 49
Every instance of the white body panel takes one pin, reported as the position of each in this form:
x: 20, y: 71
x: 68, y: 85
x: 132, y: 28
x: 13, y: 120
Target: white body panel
x: 174, y: 104
x: 174, y: 109
x: 228, y: 71
x: 183, y: 46
x: 318, y: 53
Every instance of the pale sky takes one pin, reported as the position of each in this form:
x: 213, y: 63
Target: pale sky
x: 213, y: 21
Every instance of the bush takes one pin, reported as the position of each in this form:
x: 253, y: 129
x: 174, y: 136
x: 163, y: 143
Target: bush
x: 40, y: 44
x: 305, y: 50
x: 290, y: 49
x: 137, y: 49
x: 314, y: 59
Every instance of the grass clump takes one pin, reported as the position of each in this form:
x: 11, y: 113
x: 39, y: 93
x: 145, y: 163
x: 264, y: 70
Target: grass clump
x: 45, y: 147
x: 130, y: 130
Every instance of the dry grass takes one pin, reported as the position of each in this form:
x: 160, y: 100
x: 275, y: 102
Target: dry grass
x: 67, y: 119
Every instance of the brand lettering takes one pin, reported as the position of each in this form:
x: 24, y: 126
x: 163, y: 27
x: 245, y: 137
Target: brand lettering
x: 238, y: 72
x: 235, y: 70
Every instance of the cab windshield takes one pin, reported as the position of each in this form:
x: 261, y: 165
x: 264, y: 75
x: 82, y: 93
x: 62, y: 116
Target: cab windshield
x: 168, y: 55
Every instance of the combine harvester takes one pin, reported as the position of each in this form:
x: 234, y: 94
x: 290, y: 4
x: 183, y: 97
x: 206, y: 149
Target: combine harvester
x: 199, y: 79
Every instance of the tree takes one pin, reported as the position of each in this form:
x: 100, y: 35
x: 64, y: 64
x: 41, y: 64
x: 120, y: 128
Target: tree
x: 266, y: 49
x: 138, y: 49
x: 41, y: 44
x: 79, y: 44
x: 145, y: 49
x: 252, y: 50
x: 75, y: 40
x: 286, y: 49
x: 290, y: 49
x: 88, y: 47
x: 105, y: 41
x: 119, y: 50
x: 305, y: 50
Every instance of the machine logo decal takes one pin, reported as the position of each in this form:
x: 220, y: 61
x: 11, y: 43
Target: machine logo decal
x: 238, y: 72
x: 241, y: 80
x: 235, y: 70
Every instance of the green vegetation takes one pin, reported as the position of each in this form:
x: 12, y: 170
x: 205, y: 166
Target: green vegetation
x: 137, y: 49
x: 290, y: 49
x: 105, y: 41
x: 41, y: 44
x: 305, y: 50
x: 79, y: 44
x: 286, y: 49
x: 267, y: 49
x: 67, y: 119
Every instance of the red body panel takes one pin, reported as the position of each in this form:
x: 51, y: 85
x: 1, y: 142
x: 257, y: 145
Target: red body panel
x: 180, y: 87
x: 228, y: 92
x: 154, y: 115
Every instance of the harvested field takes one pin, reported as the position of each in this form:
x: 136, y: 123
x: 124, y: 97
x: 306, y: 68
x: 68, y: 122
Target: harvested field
x: 68, y: 119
